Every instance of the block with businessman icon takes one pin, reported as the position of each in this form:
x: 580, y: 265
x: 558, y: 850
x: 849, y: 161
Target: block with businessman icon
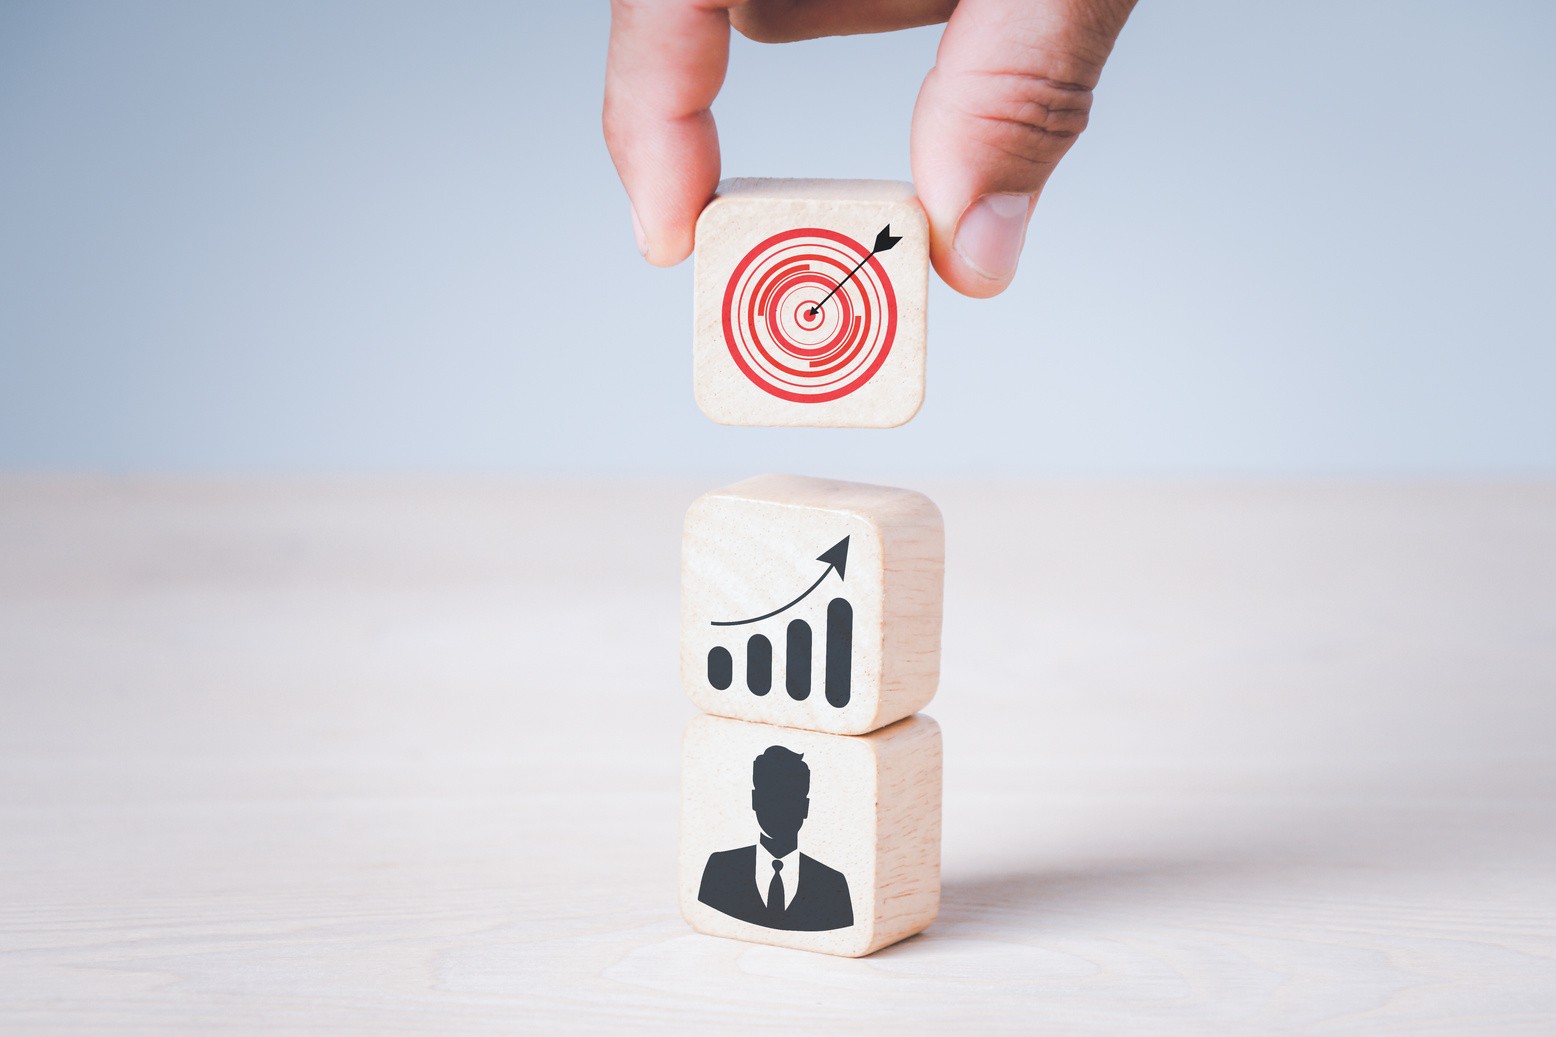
x: 811, y: 603
x: 820, y: 842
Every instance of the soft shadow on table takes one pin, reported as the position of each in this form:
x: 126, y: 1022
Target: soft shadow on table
x: 1232, y: 856
x: 1018, y: 899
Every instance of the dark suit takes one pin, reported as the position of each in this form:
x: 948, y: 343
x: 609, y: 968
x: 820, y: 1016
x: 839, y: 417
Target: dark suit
x: 820, y: 903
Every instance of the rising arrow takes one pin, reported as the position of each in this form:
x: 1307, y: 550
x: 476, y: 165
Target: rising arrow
x: 883, y: 241
x: 835, y: 556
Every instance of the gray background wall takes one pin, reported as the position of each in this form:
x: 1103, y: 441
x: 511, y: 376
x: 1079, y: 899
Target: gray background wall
x: 1298, y: 239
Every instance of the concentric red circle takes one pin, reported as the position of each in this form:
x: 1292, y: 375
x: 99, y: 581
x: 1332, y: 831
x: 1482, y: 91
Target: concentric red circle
x: 779, y: 337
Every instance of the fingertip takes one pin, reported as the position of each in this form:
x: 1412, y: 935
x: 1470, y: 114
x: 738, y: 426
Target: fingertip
x: 664, y: 215
x: 965, y: 281
x: 666, y: 250
x: 670, y: 171
x: 664, y: 258
x: 985, y: 246
x: 975, y: 244
x: 658, y: 239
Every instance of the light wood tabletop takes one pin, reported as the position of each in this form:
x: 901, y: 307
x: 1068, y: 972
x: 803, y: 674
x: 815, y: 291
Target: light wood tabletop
x: 367, y: 756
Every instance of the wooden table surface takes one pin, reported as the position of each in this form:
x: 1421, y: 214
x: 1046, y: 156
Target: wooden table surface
x: 401, y: 756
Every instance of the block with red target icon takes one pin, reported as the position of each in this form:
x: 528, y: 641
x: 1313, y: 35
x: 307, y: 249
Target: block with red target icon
x: 810, y: 303
x: 811, y: 603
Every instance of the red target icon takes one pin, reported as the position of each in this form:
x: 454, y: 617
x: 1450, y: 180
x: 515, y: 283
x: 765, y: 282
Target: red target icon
x: 809, y: 314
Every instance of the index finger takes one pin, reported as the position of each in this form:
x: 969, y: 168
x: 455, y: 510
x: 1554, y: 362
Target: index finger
x: 665, y: 66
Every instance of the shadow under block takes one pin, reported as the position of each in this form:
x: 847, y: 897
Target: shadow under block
x: 811, y: 603
x: 769, y: 347
x: 867, y: 852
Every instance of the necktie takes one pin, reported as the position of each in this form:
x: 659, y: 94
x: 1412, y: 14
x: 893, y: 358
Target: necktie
x: 775, y: 889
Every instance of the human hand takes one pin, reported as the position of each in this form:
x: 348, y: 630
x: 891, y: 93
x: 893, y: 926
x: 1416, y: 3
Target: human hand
x: 1009, y: 93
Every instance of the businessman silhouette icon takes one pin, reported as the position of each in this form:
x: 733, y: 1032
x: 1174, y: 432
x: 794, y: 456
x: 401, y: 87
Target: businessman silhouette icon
x: 771, y: 883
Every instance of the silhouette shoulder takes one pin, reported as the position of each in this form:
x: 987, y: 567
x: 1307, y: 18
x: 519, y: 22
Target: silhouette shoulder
x: 722, y: 859
x: 726, y: 876
x: 823, y: 873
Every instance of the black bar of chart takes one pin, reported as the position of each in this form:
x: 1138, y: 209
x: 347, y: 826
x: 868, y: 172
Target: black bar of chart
x: 759, y: 665
x: 796, y: 661
x: 840, y: 651
x: 721, y: 668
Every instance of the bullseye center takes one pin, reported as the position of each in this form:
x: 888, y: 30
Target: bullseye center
x: 807, y: 316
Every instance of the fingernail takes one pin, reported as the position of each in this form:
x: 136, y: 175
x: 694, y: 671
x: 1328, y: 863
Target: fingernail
x: 990, y: 234
x: 637, y: 231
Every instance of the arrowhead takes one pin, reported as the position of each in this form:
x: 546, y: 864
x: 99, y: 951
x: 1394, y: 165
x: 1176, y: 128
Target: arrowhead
x: 836, y: 556
x: 886, y: 239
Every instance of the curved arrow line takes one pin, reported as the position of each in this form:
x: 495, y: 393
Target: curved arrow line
x: 835, y: 556
x: 774, y: 612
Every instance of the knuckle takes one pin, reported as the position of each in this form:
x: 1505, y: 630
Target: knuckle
x: 1030, y: 117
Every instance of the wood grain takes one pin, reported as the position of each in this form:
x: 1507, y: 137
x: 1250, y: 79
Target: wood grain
x: 401, y: 756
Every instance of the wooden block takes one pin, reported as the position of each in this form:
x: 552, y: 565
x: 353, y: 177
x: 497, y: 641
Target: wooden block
x: 811, y: 603
x: 774, y: 343
x: 855, y: 818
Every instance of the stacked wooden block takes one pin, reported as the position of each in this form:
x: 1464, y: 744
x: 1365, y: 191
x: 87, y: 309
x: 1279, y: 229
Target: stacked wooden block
x: 810, y: 609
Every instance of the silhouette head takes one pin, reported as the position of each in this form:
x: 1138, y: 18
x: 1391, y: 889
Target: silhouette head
x: 780, y: 793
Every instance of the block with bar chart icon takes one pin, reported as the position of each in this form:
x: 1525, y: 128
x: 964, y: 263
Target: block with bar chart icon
x: 809, y: 303
x: 820, y: 842
x: 811, y: 603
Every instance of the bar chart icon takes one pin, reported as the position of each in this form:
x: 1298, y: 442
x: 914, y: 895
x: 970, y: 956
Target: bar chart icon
x: 799, y: 661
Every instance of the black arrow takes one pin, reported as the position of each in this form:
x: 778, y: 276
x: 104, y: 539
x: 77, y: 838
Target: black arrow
x: 835, y: 556
x: 883, y: 242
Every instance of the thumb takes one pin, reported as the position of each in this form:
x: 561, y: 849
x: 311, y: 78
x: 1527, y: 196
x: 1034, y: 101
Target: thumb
x: 1009, y: 93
